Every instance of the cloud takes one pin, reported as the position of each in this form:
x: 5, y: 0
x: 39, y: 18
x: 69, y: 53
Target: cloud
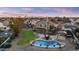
x: 65, y: 11
x: 27, y: 9
x: 52, y: 11
x: 60, y: 11
x: 4, y: 10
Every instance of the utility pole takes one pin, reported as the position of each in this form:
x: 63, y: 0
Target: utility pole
x: 46, y: 25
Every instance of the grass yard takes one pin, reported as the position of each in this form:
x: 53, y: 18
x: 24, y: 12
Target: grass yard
x: 27, y: 36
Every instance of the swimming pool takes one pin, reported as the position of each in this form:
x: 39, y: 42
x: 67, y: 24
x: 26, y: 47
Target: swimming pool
x: 47, y: 43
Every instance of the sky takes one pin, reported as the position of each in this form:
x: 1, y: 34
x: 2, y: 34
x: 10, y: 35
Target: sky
x: 57, y: 11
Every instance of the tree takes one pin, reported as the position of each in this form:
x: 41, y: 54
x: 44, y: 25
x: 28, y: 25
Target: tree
x: 1, y: 39
x: 16, y: 24
x: 77, y: 32
x: 51, y: 27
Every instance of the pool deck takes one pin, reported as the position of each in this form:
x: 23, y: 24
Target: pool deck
x: 69, y: 47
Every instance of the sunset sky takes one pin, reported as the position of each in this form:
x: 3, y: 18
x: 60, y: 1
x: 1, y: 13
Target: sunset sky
x: 57, y: 11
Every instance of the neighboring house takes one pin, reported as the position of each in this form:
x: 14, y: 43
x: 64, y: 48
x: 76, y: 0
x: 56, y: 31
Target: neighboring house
x: 34, y: 22
x: 6, y: 22
x: 71, y: 25
x: 26, y: 21
x: 77, y: 22
x: 60, y: 27
x: 74, y: 24
x: 41, y: 24
x: 31, y: 23
x: 4, y: 28
x: 53, y: 22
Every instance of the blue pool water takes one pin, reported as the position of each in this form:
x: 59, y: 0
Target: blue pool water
x: 3, y: 34
x: 46, y: 43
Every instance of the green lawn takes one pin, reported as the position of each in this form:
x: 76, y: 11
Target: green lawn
x: 27, y: 36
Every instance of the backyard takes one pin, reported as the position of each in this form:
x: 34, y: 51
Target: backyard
x: 26, y: 37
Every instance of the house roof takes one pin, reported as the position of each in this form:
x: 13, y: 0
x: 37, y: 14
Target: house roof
x: 1, y: 24
x: 77, y: 20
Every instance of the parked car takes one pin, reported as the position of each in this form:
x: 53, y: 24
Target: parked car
x: 69, y: 33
